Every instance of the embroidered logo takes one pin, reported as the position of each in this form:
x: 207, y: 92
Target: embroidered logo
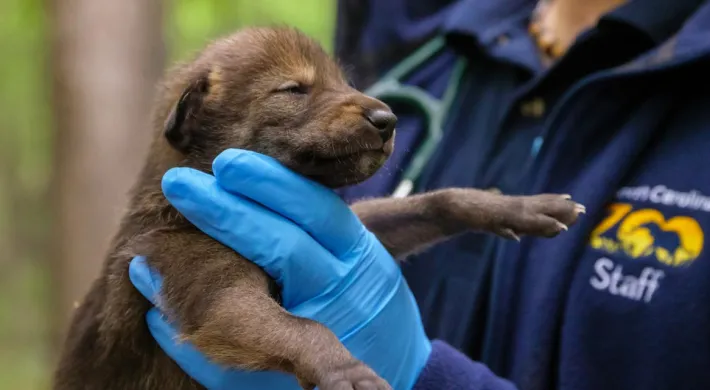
x: 642, y: 232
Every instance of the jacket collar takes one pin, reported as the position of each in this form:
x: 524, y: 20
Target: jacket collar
x: 684, y: 22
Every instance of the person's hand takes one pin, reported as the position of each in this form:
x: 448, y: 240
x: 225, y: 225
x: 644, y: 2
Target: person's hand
x: 330, y: 267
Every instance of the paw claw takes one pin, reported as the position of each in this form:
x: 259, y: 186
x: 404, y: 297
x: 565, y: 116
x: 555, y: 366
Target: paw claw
x: 566, y: 196
x: 510, y: 234
x: 562, y: 226
x: 580, y: 208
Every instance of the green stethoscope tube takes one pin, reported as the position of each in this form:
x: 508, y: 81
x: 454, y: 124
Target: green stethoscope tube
x: 389, y: 89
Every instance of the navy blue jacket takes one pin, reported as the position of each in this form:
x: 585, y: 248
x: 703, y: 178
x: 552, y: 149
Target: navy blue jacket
x: 621, y: 122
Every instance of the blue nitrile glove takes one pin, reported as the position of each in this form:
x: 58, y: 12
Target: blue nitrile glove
x: 330, y: 267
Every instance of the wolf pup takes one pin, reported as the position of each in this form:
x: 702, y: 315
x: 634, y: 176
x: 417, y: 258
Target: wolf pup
x: 273, y: 91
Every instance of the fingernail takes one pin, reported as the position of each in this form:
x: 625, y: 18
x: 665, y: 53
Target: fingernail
x: 173, y: 183
x: 225, y: 159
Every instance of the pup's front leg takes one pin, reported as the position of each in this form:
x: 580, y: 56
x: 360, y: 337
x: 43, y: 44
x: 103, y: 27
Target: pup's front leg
x: 224, y: 309
x: 408, y: 225
x: 245, y: 328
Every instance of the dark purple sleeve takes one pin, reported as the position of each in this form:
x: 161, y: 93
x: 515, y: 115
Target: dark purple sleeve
x: 449, y: 369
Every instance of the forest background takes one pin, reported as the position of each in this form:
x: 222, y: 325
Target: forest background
x: 76, y: 82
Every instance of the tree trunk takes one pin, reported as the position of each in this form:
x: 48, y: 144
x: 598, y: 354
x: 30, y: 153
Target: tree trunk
x: 106, y: 58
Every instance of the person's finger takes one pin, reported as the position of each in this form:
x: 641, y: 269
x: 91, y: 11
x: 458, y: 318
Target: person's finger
x: 271, y: 241
x: 315, y: 208
x: 145, y: 280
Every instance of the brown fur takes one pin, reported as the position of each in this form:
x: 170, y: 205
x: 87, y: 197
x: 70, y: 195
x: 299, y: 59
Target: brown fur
x: 274, y: 91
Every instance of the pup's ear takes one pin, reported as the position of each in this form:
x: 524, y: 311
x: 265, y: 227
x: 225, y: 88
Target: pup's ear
x: 182, y: 122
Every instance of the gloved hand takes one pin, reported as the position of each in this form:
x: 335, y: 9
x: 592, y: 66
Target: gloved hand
x: 330, y: 267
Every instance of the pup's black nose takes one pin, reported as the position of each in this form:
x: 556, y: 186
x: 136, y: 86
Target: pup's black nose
x: 384, y: 121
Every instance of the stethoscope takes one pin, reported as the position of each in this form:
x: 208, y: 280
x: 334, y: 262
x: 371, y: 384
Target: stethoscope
x: 390, y: 89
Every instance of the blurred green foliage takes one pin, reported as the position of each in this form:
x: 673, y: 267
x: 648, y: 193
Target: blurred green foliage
x: 25, y: 160
x: 26, y: 151
x: 191, y: 22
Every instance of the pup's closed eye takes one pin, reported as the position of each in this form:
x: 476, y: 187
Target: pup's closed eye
x: 293, y: 87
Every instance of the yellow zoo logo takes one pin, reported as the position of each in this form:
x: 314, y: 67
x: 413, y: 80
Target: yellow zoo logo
x: 638, y: 232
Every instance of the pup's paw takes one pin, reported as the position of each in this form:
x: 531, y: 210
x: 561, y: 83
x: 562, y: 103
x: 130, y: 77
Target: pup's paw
x: 352, y: 376
x: 545, y: 215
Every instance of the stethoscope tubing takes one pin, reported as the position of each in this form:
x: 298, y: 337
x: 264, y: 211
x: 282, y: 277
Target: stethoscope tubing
x: 390, y: 89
